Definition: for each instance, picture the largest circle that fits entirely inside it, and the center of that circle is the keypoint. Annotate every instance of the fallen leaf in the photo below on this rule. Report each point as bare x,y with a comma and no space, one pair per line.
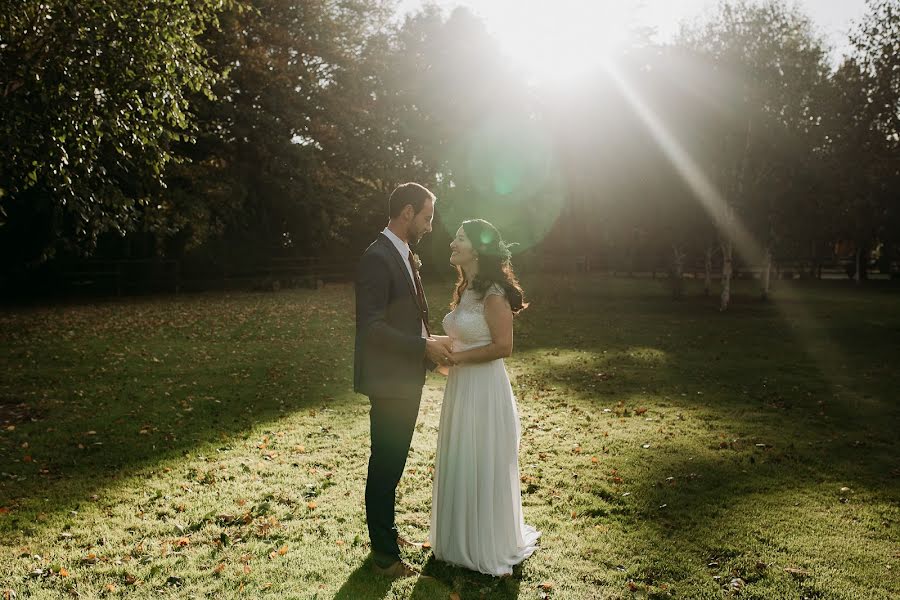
283,550
311,504
219,568
63,572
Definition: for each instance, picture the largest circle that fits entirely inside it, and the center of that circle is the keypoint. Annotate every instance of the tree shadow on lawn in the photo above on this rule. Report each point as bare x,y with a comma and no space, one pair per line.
849,430
109,405
780,411
688,520
803,372
68,468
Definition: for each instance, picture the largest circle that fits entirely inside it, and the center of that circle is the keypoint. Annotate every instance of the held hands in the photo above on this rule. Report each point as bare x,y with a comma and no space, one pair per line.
437,349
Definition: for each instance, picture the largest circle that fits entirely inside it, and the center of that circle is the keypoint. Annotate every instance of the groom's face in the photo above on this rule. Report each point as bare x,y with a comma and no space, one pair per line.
421,222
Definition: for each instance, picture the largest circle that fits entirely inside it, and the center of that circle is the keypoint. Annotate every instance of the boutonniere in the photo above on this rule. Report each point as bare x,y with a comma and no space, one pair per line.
417,262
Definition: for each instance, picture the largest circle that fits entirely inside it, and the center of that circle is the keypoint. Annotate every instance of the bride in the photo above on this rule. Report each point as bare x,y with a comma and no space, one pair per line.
476,518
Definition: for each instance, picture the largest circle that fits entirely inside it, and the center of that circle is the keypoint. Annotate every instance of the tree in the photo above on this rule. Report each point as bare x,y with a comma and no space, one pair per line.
93,95
766,67
281,162
871,76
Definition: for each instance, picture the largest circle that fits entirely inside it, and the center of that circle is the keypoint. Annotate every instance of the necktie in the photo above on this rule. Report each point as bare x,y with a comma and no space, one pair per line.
420,293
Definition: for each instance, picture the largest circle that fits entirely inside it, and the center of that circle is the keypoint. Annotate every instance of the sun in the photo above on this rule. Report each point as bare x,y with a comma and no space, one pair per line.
560,40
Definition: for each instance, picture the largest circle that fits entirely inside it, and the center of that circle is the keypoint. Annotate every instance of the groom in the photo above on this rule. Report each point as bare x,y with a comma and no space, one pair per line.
392,350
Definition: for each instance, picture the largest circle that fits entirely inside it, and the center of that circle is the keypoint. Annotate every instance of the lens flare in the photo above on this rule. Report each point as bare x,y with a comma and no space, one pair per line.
504,171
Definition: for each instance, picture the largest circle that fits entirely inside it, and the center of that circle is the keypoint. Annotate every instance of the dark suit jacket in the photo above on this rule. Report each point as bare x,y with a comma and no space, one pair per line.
389,354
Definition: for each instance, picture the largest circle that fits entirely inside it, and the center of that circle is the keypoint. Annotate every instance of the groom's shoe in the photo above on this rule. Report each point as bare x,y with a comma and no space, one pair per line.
397,570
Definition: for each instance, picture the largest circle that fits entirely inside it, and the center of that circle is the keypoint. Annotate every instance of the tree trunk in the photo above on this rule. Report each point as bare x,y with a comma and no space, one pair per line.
727,250
766,274
857,276
677,272
707,265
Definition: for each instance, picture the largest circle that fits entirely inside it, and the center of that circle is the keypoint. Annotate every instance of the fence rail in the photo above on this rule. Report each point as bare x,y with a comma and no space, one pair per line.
128,276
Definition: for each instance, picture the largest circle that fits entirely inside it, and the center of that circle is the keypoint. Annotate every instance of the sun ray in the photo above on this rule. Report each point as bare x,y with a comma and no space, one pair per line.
826,354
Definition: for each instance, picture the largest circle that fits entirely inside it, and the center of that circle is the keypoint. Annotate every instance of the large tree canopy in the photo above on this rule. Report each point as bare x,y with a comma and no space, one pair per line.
243,129
93,93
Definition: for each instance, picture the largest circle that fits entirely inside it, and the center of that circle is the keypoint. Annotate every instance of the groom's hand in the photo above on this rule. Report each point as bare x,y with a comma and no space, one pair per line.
438,351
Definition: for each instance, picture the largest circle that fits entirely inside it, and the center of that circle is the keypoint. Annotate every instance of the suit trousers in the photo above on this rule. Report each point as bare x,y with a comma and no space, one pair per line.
392,422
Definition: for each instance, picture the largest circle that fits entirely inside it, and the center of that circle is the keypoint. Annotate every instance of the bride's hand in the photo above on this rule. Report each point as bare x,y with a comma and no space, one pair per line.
443,370
444,339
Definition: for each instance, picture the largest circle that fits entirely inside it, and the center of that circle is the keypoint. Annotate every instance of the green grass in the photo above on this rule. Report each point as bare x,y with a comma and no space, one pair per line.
171,447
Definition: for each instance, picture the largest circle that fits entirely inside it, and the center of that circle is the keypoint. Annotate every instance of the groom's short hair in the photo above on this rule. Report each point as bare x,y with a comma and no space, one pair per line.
408,193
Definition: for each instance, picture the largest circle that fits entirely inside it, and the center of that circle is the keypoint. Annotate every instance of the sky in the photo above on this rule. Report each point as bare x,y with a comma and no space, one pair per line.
540,36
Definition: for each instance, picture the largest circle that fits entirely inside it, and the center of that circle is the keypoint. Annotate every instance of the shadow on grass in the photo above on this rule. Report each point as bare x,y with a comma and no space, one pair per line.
439,579
100,393
765,516
364,584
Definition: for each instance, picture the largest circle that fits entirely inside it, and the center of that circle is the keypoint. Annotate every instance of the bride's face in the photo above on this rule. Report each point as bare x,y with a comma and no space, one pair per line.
461,251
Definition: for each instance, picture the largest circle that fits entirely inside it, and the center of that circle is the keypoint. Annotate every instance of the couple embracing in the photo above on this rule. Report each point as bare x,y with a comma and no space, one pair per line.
476,511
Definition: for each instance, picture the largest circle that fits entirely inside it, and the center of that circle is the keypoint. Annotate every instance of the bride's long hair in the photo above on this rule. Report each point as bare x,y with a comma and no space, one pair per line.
494,266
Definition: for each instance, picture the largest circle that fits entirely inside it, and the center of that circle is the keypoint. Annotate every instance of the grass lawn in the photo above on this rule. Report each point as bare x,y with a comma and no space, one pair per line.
209,445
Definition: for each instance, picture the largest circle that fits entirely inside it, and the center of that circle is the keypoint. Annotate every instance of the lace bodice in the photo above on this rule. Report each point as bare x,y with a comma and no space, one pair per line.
466,324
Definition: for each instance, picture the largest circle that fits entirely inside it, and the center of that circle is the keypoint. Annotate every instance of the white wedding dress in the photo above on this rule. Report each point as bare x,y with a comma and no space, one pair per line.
476,511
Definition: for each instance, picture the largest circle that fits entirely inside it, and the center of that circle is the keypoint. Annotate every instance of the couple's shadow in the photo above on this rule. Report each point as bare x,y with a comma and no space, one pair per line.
437,580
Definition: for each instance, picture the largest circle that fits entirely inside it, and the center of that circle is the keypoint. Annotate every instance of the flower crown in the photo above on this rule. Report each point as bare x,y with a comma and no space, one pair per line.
503,249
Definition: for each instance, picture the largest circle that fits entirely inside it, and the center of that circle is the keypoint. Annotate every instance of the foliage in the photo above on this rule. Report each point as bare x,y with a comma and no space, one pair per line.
94,94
